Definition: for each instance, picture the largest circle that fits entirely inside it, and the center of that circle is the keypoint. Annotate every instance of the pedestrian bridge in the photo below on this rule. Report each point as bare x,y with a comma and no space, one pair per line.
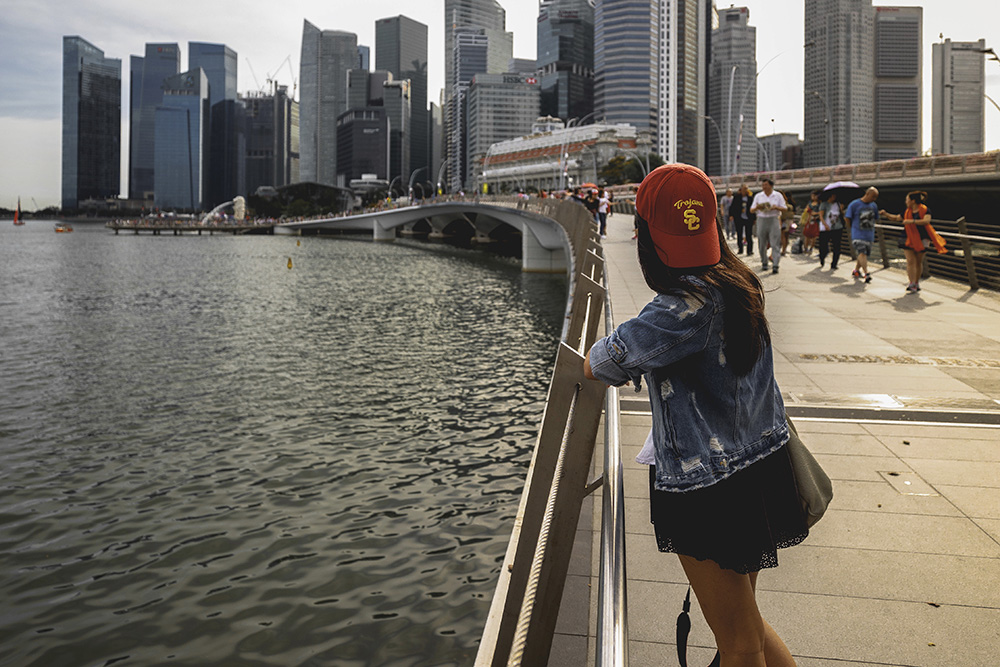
553,232
958,185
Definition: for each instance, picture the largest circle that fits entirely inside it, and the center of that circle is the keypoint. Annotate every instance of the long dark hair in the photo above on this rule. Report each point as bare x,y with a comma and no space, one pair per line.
744,324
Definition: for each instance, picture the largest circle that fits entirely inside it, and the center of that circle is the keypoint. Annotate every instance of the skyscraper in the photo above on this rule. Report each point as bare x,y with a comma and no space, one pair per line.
476,28
469,56
272,155
732,94
650,71
486,14
326,57
626,62
958,105
565,60
181,142
227,124
401,48
500,107
839,82
684,30
898,75
91,123
146,93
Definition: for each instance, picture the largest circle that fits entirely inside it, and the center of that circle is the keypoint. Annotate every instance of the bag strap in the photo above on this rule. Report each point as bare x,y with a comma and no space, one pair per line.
684,629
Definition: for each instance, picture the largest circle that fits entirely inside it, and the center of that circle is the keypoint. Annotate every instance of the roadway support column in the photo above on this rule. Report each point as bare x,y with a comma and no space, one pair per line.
380,233
537,259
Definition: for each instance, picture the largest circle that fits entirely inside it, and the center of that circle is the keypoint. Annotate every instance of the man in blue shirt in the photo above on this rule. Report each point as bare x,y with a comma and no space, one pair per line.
861,215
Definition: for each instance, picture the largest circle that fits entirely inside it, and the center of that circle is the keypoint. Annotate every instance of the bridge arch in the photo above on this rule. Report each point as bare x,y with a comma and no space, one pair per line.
552,232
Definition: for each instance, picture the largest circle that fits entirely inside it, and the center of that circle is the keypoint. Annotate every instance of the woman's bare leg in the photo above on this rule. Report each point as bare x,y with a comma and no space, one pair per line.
727,600
776,654
912,266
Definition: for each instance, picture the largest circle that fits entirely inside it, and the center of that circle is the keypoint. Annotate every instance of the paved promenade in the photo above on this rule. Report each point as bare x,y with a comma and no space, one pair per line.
898,396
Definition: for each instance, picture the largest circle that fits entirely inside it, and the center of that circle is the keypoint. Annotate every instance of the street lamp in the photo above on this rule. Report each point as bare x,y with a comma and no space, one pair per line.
746,92
829,127
992,101
767,161
729,123
719,132
645,170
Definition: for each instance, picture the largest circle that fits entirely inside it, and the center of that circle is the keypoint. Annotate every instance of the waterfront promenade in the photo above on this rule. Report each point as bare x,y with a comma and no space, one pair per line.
905,567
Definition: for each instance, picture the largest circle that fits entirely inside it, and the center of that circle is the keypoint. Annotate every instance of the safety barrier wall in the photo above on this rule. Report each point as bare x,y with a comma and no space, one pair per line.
521,622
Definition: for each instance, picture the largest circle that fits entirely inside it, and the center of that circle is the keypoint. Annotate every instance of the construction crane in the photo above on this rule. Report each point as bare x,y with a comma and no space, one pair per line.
288,61
255,81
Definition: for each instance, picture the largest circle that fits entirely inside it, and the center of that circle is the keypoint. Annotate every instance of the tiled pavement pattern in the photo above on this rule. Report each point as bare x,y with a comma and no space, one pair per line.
905,567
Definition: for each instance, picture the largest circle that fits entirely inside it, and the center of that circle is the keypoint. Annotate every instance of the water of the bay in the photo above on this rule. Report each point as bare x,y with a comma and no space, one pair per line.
210,458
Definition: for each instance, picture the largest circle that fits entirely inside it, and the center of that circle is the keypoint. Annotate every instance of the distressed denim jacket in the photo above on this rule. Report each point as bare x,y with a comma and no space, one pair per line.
708,422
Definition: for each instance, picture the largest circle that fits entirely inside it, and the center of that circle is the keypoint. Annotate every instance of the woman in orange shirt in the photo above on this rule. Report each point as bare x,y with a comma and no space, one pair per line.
917,236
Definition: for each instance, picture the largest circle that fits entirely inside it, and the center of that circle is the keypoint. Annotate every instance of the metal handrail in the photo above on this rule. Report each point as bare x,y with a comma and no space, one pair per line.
612,605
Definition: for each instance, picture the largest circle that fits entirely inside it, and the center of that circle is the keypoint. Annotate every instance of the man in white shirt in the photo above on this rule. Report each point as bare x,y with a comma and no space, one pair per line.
768,204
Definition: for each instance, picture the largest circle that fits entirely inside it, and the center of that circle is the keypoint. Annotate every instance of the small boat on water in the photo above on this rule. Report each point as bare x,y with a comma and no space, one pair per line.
62,228
17,213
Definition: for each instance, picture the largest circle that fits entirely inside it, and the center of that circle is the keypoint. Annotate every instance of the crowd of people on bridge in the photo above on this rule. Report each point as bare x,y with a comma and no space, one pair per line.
771,217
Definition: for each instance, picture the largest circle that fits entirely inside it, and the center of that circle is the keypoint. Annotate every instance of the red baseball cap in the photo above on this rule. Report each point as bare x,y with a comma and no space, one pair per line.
677,201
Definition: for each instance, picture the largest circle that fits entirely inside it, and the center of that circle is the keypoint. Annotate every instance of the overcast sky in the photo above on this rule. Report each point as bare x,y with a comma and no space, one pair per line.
265,33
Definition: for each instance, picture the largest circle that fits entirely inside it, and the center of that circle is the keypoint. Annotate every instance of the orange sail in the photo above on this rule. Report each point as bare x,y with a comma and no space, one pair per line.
17,213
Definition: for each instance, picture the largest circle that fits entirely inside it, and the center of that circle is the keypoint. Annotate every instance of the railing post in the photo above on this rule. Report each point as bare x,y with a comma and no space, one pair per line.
970,262
880,232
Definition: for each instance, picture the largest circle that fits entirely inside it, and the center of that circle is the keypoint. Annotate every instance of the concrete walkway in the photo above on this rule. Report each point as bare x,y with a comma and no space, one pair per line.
905,567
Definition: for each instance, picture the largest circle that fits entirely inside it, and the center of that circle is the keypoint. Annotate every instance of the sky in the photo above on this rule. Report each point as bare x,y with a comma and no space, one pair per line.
265,34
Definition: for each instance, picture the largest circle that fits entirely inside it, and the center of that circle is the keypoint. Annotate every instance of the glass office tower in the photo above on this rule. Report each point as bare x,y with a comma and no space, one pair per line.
839,82
401,48
272,156
565,61
958,103
148,74
91,128
327,55
898,78
626,62
227,125
181,142
732,95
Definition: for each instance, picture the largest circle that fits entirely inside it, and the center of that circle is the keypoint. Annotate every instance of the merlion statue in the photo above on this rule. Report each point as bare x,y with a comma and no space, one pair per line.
240,208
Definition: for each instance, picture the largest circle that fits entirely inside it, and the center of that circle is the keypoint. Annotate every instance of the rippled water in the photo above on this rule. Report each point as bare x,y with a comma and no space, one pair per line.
209,458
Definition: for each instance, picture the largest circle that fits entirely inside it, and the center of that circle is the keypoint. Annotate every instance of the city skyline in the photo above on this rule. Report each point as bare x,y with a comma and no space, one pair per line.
31,39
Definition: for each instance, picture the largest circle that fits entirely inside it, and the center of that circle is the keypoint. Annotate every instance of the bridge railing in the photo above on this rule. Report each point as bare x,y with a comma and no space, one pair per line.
972,257
522,618
935,166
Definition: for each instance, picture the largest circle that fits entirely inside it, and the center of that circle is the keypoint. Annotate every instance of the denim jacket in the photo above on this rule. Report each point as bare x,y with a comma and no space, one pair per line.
708,422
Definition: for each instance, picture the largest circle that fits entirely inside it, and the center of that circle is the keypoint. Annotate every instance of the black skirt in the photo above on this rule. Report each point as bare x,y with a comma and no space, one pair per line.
740,522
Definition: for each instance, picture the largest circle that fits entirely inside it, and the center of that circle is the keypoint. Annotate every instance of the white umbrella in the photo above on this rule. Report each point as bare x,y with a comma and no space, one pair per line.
842,188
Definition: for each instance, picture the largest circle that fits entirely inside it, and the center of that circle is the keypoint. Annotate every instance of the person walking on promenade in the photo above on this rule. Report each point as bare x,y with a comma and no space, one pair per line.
861,215
727,220
810,223
722,491
743,219
768,205
917,236
786,221
603,203
831,229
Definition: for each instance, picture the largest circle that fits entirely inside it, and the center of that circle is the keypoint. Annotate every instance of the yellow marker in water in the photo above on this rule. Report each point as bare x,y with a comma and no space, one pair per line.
289,262
298,243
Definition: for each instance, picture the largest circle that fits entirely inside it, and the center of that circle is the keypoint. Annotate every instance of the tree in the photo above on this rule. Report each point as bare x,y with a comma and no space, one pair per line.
623,169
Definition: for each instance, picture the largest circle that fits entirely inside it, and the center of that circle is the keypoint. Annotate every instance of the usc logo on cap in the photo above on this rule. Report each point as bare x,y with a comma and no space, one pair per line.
691,219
